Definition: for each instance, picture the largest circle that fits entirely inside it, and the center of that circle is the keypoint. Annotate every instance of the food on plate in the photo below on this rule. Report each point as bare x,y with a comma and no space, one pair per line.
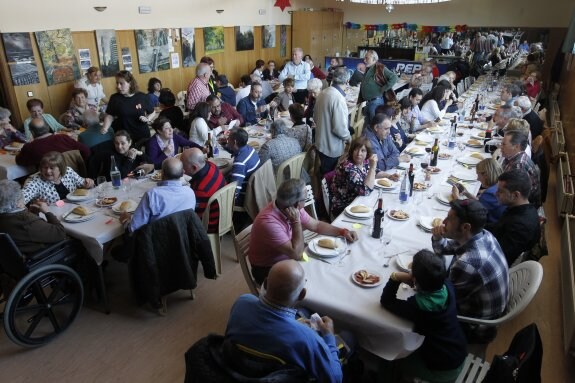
420,143
81,210
18,145
436,222
80,192
474,142
413,150
360,209
254,144
327,243
365,278
157,176
399,214
126,206
384,182
476,155
444,156
108,201
434,169
419,186
481,134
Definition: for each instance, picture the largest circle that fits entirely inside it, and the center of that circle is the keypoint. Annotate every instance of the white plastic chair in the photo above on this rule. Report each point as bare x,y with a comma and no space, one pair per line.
225,200
524,281
474,370
425,87
310,201
325,192
242,246
294,164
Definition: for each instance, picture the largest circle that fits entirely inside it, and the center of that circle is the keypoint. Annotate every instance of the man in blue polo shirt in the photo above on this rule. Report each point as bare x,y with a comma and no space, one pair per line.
246,161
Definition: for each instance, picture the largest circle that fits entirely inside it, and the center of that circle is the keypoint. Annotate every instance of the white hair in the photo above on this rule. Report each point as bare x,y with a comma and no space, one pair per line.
523,102
314,84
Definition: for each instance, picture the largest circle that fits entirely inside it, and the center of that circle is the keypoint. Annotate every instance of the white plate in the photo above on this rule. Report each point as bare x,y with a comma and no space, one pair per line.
465,176
444,198
393,184
473,146
471,161
397,219
11,148
76,218
433,170
367,285
414,151
478,137
446,156
116,207
323,252
78,198
221,162
427,138
359,215
437,130
426,221
100,204
403,261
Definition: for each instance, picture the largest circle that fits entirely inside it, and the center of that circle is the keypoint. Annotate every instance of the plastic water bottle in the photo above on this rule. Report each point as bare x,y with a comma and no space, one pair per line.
115,174
403,191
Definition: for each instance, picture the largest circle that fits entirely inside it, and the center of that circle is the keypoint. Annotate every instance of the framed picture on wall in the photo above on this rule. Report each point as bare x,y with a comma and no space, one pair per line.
268,36
213,40
58,56
244,38
107,52
20,58
188,47
153,47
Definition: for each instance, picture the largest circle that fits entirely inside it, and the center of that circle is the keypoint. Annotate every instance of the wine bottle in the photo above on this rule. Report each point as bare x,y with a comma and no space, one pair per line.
488,134
434,153
403,189
411,177
210,146
115,175
377,219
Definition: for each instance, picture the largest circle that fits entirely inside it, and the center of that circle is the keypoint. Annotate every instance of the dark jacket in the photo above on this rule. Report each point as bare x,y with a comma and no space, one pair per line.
535,124
166,254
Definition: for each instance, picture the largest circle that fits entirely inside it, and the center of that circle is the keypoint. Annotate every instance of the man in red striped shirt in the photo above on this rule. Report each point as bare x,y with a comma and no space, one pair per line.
206,180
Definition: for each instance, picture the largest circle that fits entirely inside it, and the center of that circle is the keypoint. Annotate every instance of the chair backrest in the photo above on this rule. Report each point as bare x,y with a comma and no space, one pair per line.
225,200
242,245
294,165
402,94
74,160
261,189
12,260
325,192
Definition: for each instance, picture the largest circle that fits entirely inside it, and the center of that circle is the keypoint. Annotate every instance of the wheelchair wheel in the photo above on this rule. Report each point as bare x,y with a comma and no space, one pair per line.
42,305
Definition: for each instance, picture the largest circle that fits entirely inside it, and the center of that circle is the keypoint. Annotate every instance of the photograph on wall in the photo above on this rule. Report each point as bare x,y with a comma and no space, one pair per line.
58,56
268,36
188,47
283,40
213,40
85,59
153,49
175,60
107,52
20,58
244,38
127,59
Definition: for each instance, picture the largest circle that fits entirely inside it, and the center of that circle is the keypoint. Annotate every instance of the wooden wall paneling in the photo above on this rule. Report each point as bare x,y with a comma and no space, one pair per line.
567,105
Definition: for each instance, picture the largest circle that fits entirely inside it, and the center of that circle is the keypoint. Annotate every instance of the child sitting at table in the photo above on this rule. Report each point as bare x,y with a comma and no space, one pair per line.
285,98
433,312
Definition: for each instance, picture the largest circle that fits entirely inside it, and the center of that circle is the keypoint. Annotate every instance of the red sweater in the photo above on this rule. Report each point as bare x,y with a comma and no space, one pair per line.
32,153
204,184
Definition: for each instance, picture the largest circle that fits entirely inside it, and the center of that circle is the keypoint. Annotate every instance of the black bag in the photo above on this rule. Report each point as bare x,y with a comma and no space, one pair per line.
522,361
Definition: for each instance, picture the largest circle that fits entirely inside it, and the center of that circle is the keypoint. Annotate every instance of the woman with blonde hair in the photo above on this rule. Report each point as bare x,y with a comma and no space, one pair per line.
488,171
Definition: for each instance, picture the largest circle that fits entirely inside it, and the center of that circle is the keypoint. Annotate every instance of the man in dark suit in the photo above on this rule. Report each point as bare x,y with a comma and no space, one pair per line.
529,115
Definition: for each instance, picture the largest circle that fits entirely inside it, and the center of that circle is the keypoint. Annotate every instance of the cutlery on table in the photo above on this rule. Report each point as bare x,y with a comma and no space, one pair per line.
359,223
389,257
319,259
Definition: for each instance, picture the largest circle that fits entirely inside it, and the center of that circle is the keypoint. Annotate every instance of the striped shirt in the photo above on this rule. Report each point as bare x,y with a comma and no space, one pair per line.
246,161
479,274
205,183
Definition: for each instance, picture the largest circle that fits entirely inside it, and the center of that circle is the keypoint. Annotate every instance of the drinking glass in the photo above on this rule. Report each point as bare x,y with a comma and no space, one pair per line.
101,189
386,239
341,250
127,186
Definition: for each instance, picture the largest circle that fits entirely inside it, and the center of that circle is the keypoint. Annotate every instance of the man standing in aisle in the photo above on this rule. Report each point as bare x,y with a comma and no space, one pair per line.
198,90
370,90
300,71
331,119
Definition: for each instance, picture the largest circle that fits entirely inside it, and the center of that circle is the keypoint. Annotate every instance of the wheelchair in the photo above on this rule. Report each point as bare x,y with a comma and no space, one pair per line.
43,294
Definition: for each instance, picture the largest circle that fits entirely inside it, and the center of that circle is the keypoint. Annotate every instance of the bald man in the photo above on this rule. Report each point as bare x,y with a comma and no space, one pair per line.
268,324
169,197
206,180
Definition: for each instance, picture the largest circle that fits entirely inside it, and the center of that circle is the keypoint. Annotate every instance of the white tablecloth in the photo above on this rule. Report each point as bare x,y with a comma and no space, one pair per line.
10,171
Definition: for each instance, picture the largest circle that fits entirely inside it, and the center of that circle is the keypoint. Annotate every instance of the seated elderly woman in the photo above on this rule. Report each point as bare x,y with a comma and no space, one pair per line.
36,109
54,181
127,159
8,133
355,176
488,171
30,232
300,130
280,147
165,143
72,119
93,136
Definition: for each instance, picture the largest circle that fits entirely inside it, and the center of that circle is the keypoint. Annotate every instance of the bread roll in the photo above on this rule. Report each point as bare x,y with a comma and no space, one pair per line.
80,192
125,206
384,182
327,243
360,209
476,155
436,222
81,210
474,142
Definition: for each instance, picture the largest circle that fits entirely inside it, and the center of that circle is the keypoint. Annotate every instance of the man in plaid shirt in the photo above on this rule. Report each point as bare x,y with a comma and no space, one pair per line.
478,271
198,89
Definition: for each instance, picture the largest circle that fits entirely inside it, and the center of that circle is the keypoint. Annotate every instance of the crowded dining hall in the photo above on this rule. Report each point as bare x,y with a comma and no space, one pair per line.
294,190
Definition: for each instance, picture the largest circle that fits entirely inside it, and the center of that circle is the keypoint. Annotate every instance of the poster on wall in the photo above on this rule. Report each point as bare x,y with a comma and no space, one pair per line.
20,58
244,38
213,40
188,47
283,40
107,52
85,59
57,52
127,59
268,36
175,60
153,49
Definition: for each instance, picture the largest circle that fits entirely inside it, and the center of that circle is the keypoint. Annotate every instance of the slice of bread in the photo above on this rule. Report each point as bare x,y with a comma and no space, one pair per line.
81,210
80,192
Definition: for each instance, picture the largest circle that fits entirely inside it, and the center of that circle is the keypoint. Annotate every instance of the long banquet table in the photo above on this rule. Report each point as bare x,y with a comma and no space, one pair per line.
330,290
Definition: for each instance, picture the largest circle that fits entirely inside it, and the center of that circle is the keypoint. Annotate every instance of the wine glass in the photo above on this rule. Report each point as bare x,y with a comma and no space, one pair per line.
385,239
341,250
461,147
